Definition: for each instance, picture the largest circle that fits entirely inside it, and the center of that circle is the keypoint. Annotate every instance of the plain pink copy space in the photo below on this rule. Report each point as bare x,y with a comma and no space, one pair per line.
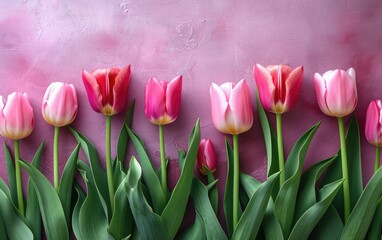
204,41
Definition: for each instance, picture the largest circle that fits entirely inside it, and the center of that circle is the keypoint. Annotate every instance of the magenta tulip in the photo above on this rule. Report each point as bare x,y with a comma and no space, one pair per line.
336,92
206,157
231,107
107,89
162,100
373,128
278,86
59,106
16,116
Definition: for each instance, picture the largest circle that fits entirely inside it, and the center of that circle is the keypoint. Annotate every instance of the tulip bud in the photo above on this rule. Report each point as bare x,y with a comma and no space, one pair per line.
336,92
162,100
231,107
373,127
278,86
206,157
59,106
107,89
16,116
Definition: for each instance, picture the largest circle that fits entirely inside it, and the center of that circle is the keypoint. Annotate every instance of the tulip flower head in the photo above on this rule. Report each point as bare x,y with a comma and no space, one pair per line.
16,116
231,107
206,157
336,92
162,100
373,127
107,89
59,106
278,86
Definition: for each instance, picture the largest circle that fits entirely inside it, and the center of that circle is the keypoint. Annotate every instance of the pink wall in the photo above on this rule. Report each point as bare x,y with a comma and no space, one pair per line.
205,41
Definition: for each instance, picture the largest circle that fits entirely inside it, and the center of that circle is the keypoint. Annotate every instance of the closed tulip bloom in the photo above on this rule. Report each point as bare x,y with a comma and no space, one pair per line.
278,86
16,116
107,89
162,100
206,156
336,92
231,107
59,106
373,128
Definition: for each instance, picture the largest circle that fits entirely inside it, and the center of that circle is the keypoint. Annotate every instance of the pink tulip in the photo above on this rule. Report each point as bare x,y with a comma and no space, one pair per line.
162,100
16,116
373,128
278,86
107,89
231,107
206,157
59,106
336,92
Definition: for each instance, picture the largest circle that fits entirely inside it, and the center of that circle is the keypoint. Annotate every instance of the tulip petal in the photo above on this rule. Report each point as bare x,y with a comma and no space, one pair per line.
293,85
209,154
320,87
93,91
120,89
265,87
373,126
173,97
155,100
219,107
241,107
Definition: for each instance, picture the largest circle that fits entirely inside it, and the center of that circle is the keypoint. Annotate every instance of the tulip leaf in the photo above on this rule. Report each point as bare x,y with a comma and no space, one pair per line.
149,224
228,193
363,212
271,226
92,218
181,158
76,211
53,215
213,192
118,173
312,216
98,174
176,207
3,233
123,136
329,227
286,199
196,231
376,224
11,219
11,173
150,177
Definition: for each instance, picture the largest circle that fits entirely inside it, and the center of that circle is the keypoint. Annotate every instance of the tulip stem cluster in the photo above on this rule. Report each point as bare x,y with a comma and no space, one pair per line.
280,147
55,158
377,158
109,171
19,186
236,170
162,159
345,174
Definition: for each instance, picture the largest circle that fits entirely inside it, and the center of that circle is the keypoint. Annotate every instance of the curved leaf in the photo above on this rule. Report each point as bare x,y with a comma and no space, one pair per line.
10,173
270,225
376,224
213,192
50,206
329,227
123,136
196,231
76,211
3,233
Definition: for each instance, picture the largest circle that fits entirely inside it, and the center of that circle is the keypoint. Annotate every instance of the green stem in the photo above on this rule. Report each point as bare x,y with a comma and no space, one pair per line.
377,158
236,170
109,170
345,174
55,158
280,147
163,166
19,183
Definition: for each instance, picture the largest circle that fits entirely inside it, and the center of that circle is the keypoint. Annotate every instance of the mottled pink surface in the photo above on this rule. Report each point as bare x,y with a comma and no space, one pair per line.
205,41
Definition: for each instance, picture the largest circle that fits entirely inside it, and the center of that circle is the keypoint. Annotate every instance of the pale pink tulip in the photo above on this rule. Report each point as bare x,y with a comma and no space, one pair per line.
162,100
16,116
278,86
107,89
336,92
231,107
373,127
59,106
206,157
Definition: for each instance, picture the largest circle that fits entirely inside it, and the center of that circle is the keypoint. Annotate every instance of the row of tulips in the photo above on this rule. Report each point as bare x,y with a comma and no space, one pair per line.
137,203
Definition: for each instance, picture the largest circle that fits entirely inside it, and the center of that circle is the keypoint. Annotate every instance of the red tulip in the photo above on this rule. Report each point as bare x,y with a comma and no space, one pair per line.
107,89
373,128
206,156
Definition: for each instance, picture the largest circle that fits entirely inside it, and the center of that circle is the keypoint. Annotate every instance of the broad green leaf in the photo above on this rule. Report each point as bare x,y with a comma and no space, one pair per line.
92,219
150,177
306,197
66,184
118,173
312,216
10,173
33,215
376,224
76,211
363,212
228,193
329,227
181,158
97,172
204,209
250,221
286,199
12,221
196,231
213,192
3,233
149,224
176,207
270,225
53,215
123,136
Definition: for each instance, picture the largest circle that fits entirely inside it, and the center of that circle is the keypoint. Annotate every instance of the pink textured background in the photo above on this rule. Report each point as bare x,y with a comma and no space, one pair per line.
205,41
